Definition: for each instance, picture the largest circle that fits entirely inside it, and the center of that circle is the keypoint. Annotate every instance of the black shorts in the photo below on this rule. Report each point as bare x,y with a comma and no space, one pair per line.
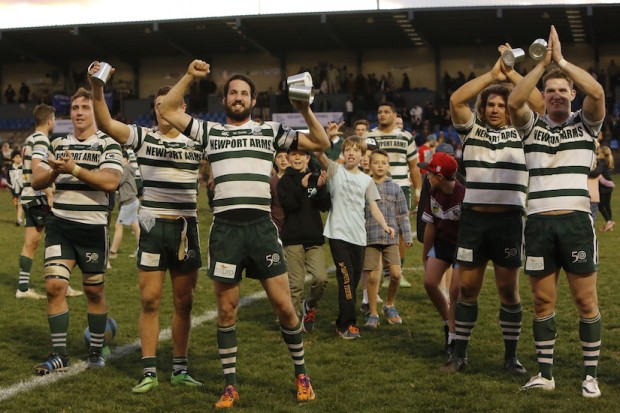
560,241
251,246
495,236
85,244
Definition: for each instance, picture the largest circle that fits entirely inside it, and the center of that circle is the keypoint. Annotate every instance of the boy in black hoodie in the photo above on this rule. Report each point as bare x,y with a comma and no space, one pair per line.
303,196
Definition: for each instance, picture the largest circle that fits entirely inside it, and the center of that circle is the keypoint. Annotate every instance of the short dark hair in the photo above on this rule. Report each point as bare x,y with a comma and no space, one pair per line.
379,152
557,73
388,104
42,113
162,91
242,78
82,93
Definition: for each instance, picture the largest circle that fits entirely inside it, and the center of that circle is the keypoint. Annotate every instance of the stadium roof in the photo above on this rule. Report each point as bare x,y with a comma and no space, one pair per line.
485,23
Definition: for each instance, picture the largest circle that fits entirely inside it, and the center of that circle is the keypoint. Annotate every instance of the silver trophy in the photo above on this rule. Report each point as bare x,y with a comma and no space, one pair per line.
538,49
513,56
300,87
101,76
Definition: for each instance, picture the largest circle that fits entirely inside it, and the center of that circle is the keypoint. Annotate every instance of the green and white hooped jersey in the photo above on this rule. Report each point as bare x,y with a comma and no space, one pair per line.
494,163
241,159
559,158
401,149
75,200
133,161
36,145
169,168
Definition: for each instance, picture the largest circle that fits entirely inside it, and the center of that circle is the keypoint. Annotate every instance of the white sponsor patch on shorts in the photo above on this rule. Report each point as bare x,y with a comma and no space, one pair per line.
149,260
535,263
53,251
225,270
465,254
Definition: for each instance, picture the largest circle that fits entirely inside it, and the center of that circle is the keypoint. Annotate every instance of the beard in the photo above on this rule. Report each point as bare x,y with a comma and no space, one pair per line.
238,116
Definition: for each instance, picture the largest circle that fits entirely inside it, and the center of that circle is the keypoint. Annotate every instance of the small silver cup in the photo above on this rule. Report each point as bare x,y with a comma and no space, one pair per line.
301,92
101,76
538,49
513,56
300,78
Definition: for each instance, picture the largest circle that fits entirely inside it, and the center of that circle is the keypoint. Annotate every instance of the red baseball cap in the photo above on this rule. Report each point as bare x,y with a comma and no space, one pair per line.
441,164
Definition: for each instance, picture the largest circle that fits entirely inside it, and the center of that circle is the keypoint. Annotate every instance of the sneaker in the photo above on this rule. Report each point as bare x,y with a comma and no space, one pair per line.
95,361
228,398
386,282
539,382
350,333
55,363
29,293
183,378
392,315
514,366
147,383
113,255
365,308
372,321
309,316
589,387
379,300
304,388
73,293
454,365
404,283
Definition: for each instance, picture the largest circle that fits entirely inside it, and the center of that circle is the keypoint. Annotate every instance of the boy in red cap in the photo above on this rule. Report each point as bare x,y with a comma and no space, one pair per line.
442,212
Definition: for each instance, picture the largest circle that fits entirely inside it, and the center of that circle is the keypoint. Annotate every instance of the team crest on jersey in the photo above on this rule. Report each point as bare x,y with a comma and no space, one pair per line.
257,130
190,144
94,146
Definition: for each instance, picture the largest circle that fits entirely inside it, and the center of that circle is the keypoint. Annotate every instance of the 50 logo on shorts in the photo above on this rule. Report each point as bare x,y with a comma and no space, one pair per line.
579,256
272,259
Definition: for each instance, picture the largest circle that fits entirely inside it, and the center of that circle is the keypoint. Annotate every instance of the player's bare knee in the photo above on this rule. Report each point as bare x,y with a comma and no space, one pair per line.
184,305
150,304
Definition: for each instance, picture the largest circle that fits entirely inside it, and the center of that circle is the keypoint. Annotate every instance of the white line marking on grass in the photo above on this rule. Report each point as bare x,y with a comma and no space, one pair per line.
118,352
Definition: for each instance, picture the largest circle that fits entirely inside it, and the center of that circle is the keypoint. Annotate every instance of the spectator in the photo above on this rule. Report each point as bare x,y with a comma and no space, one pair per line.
303,196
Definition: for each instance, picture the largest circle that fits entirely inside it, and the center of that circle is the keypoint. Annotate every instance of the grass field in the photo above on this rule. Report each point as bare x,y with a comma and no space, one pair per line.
392,369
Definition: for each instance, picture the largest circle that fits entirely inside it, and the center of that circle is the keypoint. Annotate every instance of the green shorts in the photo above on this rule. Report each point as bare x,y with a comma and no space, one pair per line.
495,236
35,215
560,241
85,244
252,246
158,249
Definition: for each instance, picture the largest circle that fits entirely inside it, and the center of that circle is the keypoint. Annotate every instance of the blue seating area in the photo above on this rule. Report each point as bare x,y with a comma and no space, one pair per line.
16,123
145,119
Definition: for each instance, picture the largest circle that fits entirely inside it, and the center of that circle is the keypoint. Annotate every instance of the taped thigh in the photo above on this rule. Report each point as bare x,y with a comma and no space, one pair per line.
93,279
56,269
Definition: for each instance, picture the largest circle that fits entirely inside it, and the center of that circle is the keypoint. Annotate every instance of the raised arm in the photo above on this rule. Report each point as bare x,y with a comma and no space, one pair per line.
535,101
115,129
317,139
198,69
520,113
459,106
594,103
